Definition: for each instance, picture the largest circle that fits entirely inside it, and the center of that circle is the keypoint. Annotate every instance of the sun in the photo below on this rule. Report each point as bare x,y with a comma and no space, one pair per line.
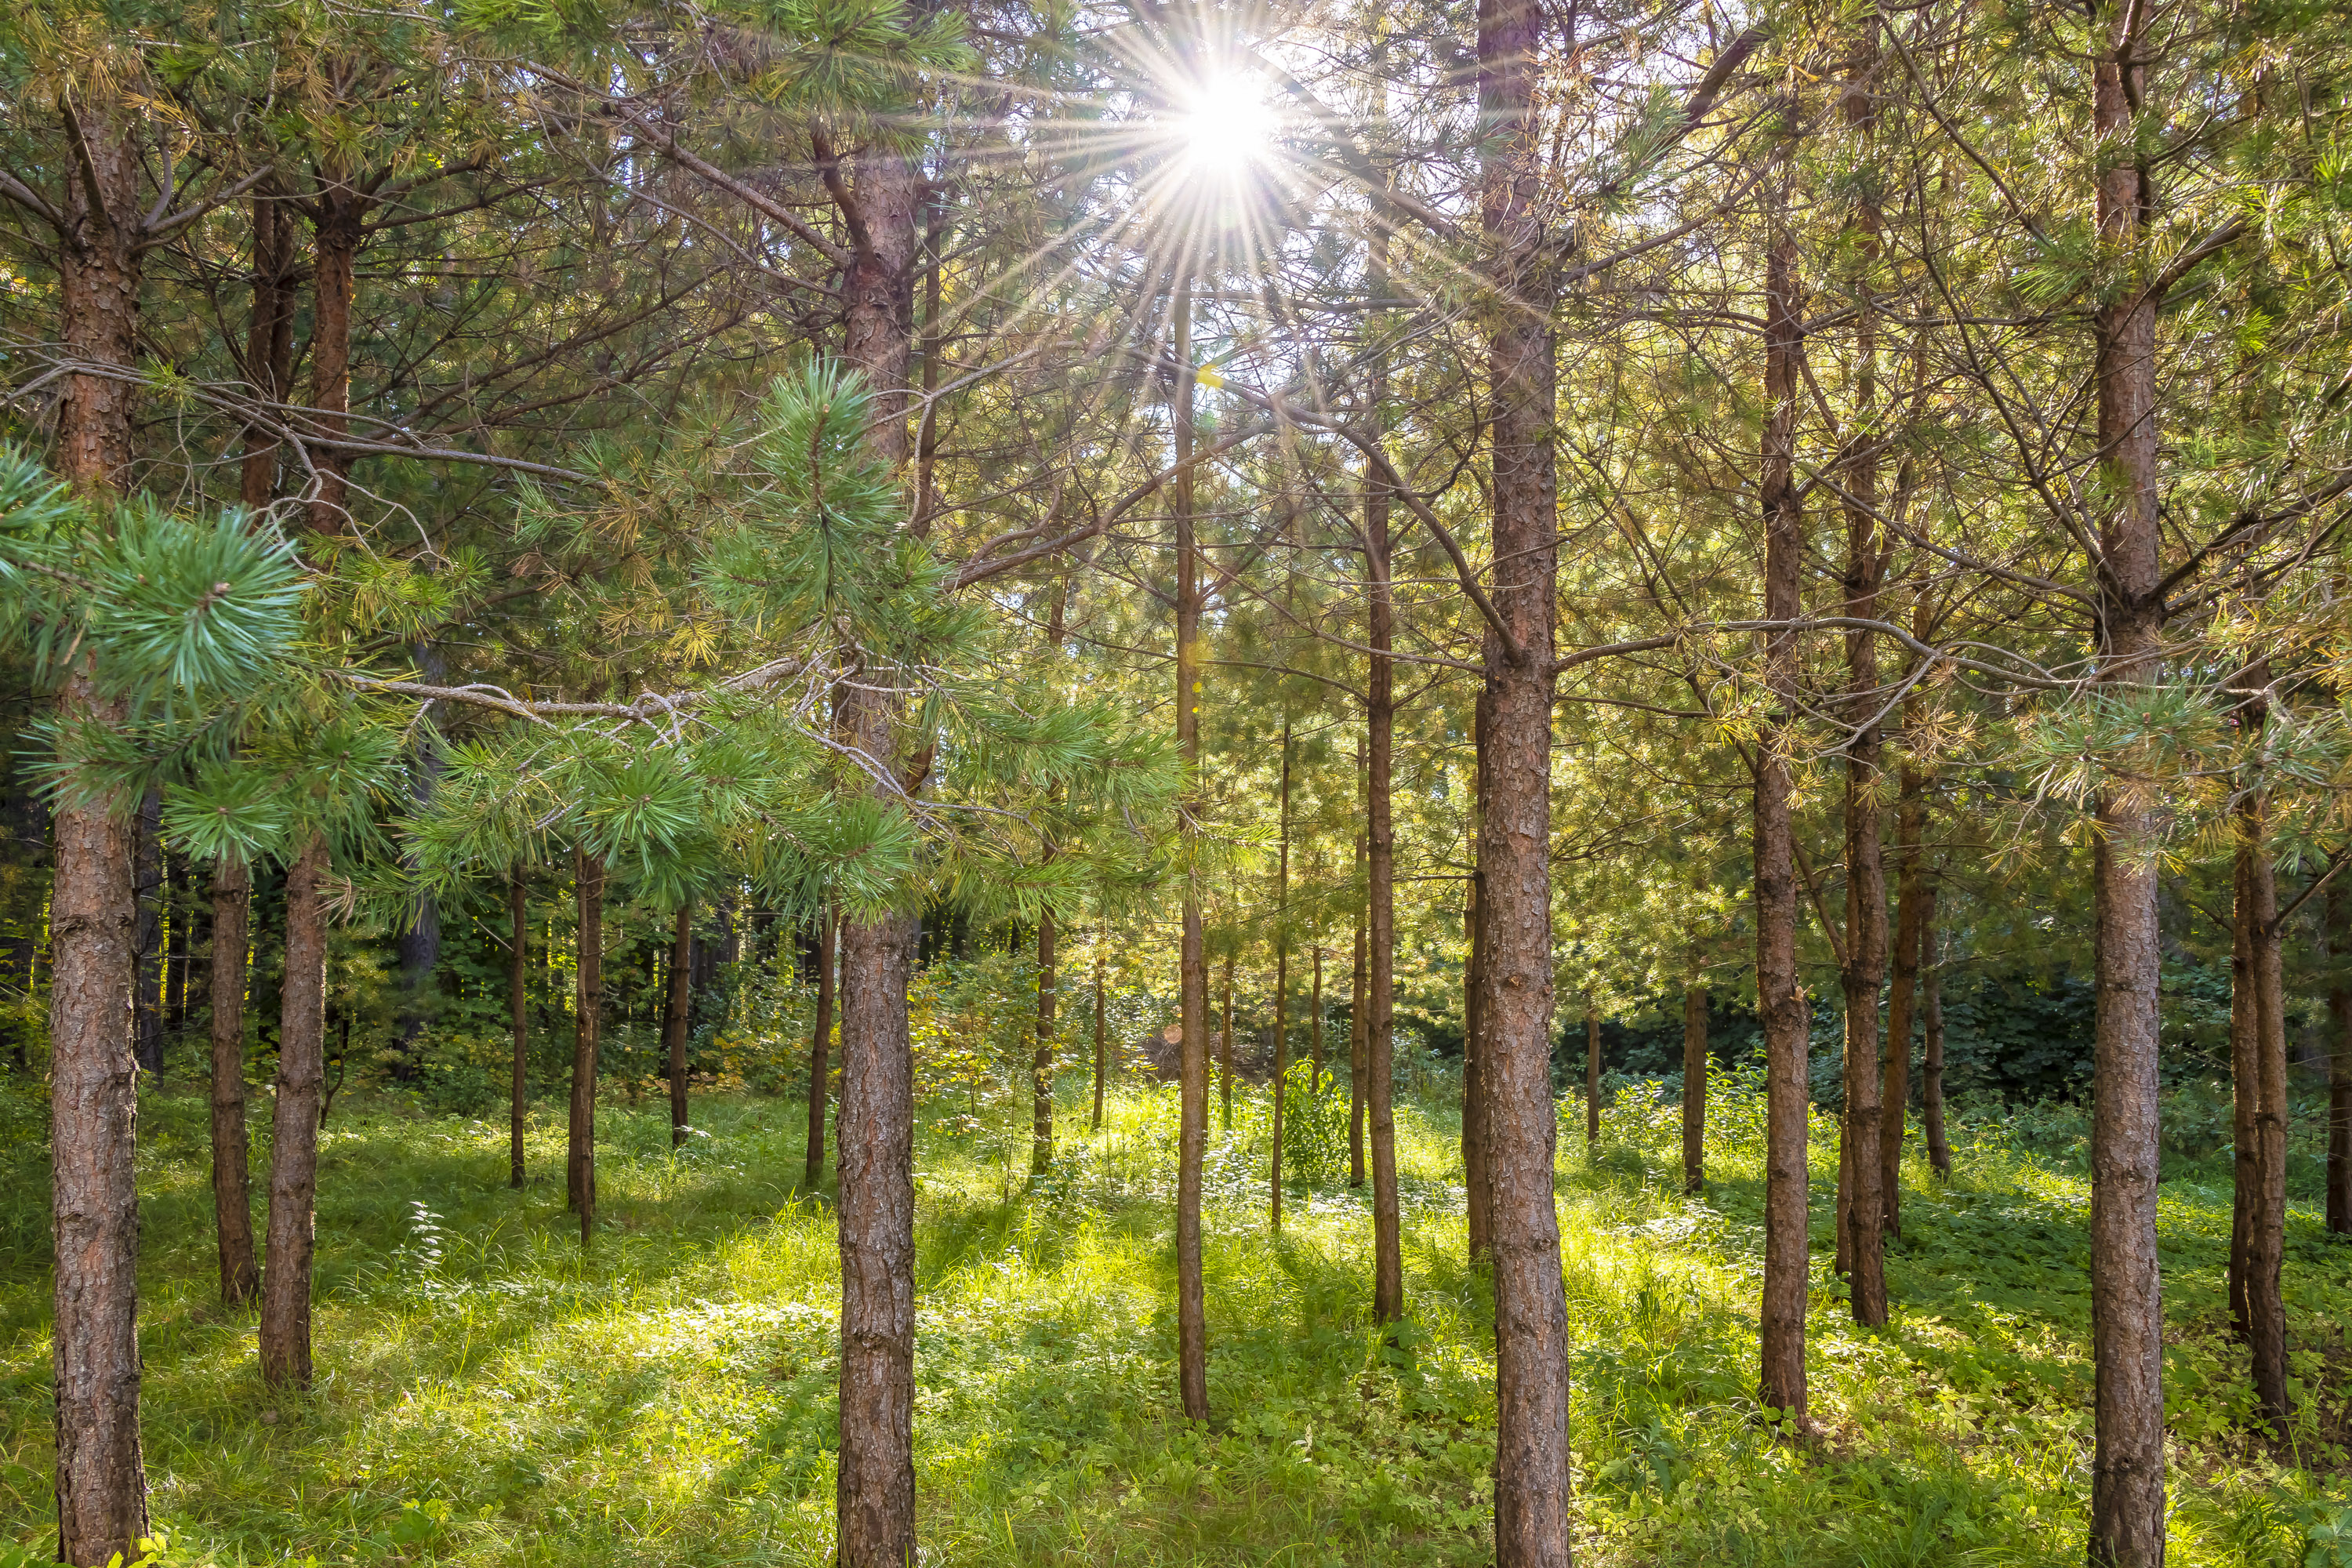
1227,125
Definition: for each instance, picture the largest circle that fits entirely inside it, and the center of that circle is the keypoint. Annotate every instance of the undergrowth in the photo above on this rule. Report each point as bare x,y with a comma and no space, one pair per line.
488,1395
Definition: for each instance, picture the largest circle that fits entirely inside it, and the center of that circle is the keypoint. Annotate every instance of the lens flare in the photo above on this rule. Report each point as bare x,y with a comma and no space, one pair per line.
1226,126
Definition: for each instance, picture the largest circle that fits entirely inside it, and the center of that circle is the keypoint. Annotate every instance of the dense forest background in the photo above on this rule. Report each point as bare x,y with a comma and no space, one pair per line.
1375,648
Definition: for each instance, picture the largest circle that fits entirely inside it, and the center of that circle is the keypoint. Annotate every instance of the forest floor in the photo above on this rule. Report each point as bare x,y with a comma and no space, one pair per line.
486,1396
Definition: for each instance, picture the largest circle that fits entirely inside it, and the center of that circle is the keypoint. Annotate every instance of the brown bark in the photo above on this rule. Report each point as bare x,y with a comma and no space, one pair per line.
1592,1075
1102,1034
1041,1064
1225,1047
1192,970
2338,941
1358,1057
2127,1290
268,343
1779,1000
518,1018
1281,986
1531,1354
1694,1060
1931,1039
232,1188
101,1488
2258,1053
587,1026
336,214
1380,938
675,1014
294,1125
1895,1090
875,1489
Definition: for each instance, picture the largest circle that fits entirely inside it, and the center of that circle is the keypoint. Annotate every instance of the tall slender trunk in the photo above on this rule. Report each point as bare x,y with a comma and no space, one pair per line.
1102,1034
101,1484
675,1013
1592,1075
1041,1063
1931,1039
587,1024
294,1125
1694,1060
2258,1052
1531,1354
179,913
2338,939
146,986
337,212
820,1043
1281,985
517,1017
1895,1090
1359,1058
875,1497
1779,1000
1192,970
1379,861
2127,1489
232,1188
1478,1193
1315,1022
1225,1047
268,343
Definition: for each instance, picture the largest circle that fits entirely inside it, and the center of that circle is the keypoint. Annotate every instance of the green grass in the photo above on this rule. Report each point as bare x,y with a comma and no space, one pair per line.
486,1396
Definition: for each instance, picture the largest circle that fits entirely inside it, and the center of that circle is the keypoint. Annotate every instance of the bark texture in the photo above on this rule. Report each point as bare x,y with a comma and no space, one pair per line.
1193,966
587,1026
1780,1001
294,1125
240,1281
875,1496
1380,919
1531,1464
2127,1290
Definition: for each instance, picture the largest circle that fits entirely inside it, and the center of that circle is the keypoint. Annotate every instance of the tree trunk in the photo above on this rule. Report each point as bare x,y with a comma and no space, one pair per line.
232,1191
1041,1065
1895,1090
1192,970
673,1018
1315,1022
587,1024
146,987
1478,1193
1358,1057
1281,985
1225,1046
1102,1034
2338,939
101,1485
517,1017
820,1042
336,215
1591,1075
1931,1039
1694,1060
1532,1356
2245,1153
2127,1289
268,343
1380,938
2258,1053
179,913
294,1125
875,1497
1779,1000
